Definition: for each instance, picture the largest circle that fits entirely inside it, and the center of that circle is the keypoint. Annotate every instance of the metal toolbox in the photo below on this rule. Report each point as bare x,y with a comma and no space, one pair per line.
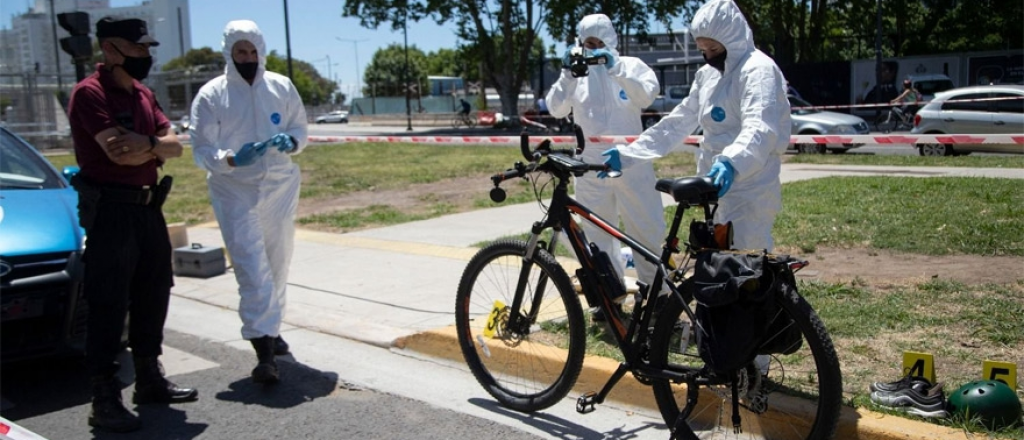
199,261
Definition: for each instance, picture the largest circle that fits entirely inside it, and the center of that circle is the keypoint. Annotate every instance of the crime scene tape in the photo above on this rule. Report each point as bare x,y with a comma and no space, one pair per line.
889,139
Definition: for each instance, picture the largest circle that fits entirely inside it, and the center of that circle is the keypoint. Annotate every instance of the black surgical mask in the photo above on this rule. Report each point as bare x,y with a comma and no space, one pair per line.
136,67
718,61
247,70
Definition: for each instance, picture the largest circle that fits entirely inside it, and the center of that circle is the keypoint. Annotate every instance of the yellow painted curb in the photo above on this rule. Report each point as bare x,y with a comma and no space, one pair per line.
854,424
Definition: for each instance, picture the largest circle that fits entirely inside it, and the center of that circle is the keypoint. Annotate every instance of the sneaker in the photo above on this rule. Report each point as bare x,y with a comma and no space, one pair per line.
928,403
917,382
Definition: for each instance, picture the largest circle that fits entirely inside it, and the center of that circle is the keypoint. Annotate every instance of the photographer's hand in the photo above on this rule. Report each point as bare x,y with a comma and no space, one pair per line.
609,58
566,61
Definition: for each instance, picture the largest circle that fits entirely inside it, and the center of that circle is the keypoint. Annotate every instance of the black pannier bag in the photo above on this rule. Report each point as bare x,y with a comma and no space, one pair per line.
737,311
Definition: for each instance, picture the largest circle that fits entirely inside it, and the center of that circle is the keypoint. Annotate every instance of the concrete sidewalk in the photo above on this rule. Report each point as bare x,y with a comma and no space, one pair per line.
395,286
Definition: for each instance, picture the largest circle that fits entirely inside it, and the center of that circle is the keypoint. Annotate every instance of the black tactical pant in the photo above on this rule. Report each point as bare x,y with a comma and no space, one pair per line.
127,274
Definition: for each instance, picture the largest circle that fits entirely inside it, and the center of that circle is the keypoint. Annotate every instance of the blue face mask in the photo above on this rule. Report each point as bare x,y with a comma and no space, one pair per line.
718,61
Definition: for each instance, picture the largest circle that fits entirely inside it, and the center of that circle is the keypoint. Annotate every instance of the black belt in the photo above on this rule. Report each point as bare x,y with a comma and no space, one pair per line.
141,196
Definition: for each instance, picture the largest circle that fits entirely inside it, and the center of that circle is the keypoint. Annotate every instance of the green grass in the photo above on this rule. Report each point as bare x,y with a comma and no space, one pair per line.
932,216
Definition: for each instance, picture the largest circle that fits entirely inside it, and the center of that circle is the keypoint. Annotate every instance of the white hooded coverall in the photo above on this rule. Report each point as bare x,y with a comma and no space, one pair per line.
745,116
608,102
254,204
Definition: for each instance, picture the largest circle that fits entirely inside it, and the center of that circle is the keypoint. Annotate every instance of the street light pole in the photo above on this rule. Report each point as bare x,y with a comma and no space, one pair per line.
287,41
408,108
355,47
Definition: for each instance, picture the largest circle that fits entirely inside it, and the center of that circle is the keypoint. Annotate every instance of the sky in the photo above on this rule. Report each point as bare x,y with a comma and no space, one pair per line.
315,27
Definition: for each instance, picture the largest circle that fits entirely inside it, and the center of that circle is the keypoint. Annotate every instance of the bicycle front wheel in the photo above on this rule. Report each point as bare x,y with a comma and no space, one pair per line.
456,122
795,396
529,358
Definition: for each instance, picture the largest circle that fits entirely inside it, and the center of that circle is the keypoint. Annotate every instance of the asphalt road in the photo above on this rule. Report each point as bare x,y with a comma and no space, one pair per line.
52,400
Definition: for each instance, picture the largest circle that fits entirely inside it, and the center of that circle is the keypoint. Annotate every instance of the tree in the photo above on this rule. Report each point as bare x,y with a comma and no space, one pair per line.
314,89
500,34
386,74
201,57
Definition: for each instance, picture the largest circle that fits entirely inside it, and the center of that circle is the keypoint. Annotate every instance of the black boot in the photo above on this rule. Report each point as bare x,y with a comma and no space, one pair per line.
107,410
266,370
280,347
152,387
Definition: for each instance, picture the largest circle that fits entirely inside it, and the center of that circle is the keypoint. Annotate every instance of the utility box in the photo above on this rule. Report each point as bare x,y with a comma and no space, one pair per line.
199,261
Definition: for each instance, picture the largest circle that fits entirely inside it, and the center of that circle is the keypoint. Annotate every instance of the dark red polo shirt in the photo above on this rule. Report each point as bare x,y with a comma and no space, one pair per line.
98,103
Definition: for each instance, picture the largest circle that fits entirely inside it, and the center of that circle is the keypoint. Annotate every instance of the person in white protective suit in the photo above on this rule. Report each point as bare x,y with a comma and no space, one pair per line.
739,100
608,102
246,124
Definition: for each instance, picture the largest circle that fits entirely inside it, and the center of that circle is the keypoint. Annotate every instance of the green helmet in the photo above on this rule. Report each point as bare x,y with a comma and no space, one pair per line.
992,401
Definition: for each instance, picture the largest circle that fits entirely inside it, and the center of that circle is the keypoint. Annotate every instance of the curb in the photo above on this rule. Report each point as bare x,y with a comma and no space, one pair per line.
859,424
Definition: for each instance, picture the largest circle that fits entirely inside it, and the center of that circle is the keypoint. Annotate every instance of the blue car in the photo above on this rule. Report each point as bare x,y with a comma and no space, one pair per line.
41,246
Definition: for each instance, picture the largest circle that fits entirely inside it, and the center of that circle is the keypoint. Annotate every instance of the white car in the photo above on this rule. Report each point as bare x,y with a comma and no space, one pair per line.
979,110
816,122
335,116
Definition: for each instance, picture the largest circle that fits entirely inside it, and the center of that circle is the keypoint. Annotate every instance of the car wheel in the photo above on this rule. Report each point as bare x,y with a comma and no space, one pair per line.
320,122
935,150
648,122
811,148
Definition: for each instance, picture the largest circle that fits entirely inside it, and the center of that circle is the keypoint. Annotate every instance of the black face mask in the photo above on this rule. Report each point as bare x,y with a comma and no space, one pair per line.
247,70
136,67
718,62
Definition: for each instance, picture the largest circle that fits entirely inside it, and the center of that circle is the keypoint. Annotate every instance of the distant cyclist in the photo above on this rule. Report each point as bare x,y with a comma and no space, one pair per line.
910,98
465,108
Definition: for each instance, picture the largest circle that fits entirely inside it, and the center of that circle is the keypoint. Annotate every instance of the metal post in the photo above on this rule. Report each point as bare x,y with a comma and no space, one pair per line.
287,42
355,47
878,47
405,74
56,53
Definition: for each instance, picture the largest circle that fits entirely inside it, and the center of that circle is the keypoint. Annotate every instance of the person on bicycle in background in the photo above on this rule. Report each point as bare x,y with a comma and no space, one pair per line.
608,102
464,113
739,99
910,97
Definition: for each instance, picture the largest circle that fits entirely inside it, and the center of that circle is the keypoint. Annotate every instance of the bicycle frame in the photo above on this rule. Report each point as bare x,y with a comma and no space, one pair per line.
560,219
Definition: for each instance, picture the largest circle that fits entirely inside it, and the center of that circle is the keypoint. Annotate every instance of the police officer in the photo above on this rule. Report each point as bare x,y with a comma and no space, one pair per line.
121,138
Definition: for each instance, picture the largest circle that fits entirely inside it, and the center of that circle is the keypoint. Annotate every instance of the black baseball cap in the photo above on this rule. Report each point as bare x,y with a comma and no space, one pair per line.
131,29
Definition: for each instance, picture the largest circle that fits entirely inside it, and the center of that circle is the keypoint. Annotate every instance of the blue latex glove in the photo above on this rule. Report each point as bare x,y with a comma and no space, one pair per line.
249,152
565,58
283,142
613,162
723,173
608,57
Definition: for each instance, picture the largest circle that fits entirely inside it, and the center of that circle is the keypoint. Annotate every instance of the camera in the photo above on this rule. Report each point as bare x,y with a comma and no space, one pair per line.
579,64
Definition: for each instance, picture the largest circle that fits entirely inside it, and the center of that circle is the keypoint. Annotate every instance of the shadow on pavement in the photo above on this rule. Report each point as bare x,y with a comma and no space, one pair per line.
299,384
559,427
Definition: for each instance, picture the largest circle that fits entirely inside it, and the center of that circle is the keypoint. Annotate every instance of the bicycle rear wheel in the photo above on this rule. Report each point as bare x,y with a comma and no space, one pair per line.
533,365
798,399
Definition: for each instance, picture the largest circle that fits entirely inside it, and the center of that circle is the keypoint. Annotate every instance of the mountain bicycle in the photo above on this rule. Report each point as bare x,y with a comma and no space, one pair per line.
522,329
896,119
463,119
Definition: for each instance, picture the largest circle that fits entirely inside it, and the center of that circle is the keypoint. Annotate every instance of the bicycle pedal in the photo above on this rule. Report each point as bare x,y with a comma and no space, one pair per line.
586,403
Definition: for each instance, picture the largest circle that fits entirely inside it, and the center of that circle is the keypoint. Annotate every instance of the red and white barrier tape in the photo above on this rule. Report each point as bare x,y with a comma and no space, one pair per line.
890,139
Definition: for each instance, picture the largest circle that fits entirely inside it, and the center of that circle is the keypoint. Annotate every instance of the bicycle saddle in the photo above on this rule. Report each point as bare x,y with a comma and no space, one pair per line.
690,190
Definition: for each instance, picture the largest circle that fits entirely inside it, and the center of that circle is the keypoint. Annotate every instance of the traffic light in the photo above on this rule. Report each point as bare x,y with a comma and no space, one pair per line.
78,45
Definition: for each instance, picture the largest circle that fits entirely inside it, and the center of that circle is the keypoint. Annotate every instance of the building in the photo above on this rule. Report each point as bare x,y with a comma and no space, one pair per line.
36,51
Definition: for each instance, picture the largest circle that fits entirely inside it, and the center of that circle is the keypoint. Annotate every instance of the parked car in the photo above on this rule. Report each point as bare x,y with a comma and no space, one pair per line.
816,122
663,104
972,110
41,246
335,116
